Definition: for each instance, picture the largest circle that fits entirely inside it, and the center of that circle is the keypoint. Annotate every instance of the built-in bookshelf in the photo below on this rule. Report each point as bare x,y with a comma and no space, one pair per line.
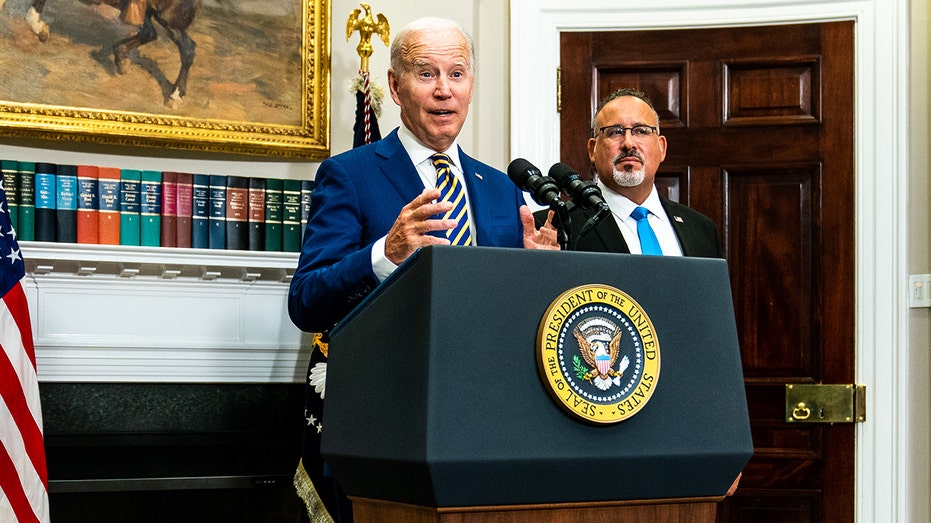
158,276
91,204
103,313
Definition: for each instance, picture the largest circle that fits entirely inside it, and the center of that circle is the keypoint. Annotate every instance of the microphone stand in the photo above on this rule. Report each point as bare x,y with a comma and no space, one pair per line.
562,227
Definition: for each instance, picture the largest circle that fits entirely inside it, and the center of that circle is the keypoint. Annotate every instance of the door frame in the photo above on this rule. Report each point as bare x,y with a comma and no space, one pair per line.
882,490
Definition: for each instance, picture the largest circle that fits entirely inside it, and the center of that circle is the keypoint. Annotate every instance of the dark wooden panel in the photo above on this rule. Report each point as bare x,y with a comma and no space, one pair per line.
782,473
766,151
767,398
664,84
770,227
777,439
686,510
773,92
761,507
672,184
578,100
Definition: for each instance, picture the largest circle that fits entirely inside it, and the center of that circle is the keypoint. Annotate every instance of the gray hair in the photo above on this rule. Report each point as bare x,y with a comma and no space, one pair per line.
624,91
426,24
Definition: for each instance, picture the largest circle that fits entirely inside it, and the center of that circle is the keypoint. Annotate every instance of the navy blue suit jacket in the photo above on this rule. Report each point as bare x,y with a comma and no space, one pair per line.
357,197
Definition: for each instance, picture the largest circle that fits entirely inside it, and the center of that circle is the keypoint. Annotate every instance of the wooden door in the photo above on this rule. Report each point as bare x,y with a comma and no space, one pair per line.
759,122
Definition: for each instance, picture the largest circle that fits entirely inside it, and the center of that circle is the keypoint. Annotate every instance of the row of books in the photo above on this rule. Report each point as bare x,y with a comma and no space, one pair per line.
110,206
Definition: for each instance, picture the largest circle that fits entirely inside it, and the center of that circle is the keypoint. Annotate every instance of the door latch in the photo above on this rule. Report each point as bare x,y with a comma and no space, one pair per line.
822,403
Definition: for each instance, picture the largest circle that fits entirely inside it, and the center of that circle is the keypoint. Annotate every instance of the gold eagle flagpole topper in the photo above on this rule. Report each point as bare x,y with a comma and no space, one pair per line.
367,26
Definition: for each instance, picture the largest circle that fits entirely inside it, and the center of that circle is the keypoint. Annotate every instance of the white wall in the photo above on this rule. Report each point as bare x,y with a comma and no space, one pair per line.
919,257
485,134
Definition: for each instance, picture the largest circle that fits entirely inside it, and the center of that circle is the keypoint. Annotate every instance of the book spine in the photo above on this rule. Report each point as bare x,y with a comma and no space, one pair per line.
217,217
200,211
169,209
27,202
45,202
66,204
273,214
150,208
88,205
237,213
185,210
130,196
291,216
256,214
108,201
307,188
10,169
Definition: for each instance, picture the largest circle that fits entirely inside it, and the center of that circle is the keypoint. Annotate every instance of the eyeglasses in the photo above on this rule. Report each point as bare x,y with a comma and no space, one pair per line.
637,132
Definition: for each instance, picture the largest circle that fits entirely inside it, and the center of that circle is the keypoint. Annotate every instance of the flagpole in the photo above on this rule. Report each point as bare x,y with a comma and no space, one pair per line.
366,24
310,471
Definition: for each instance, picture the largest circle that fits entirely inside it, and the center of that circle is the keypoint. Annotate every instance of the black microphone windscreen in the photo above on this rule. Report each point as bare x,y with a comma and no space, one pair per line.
563,174
519,170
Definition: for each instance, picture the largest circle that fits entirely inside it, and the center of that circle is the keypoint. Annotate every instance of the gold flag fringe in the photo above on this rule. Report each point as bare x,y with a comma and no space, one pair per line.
306,491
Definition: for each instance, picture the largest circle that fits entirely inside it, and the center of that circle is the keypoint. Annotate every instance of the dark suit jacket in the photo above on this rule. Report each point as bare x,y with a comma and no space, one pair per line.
697,234
357,197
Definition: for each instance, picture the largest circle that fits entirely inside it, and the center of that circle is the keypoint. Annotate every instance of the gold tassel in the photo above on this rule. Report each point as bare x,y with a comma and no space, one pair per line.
306,491
320,344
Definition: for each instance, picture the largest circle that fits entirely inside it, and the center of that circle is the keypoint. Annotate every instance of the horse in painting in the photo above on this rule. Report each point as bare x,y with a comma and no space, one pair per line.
175,16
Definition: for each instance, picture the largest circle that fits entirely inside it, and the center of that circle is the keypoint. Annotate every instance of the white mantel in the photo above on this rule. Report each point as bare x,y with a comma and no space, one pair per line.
151,314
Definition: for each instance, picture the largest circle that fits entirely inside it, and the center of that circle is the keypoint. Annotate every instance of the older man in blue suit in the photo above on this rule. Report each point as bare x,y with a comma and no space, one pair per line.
375,205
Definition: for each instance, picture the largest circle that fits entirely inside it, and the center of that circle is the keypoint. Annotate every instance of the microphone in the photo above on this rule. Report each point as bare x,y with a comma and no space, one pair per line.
527,177
584,193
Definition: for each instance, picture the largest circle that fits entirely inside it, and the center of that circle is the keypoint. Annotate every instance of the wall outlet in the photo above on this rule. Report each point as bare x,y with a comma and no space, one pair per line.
919,290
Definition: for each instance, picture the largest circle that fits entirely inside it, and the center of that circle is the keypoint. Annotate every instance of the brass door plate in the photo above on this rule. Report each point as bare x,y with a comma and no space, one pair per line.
822,403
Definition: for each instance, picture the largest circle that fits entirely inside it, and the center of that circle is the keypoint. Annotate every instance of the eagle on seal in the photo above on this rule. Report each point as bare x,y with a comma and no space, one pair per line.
601,357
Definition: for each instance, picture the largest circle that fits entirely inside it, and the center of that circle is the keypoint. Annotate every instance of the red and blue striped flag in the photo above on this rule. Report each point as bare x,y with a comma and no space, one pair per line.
23,473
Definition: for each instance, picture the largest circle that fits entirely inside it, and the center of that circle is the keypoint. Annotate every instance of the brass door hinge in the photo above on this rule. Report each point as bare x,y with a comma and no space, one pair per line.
558,89
822,403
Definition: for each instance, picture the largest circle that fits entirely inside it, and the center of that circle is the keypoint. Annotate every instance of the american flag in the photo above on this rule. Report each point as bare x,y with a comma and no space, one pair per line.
23,475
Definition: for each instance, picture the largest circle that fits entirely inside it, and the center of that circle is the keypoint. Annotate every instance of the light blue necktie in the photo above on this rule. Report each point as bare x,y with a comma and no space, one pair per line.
451,190
648,242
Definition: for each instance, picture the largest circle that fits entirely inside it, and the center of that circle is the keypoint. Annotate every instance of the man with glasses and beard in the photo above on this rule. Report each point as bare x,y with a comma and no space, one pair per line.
626,149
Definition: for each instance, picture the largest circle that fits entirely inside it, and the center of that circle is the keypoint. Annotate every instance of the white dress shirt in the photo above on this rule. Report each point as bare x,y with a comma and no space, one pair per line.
621,207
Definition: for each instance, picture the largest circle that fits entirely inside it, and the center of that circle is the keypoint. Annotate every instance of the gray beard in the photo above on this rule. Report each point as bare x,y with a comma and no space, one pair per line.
631,178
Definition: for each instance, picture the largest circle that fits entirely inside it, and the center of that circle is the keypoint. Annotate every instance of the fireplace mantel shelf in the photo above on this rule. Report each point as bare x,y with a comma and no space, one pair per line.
105,313
45,258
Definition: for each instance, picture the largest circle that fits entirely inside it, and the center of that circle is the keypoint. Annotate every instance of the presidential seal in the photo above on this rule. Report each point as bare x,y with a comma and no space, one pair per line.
598,354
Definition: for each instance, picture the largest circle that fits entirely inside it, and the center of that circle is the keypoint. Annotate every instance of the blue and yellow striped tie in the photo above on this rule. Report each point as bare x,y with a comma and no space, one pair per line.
451,190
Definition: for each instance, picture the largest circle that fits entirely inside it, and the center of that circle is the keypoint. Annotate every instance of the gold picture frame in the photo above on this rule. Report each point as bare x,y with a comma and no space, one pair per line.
249,90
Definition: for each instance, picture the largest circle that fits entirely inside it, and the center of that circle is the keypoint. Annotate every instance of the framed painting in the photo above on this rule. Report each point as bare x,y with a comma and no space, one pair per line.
225,76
